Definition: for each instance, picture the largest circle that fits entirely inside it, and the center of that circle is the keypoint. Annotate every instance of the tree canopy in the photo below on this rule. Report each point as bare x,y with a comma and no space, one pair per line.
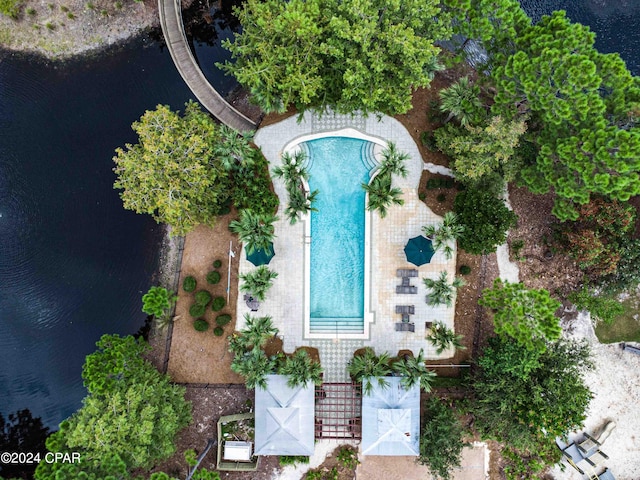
366,55
526,315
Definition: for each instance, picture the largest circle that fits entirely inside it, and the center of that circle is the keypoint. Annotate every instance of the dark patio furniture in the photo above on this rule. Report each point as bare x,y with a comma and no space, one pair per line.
406,309
405,327
252,303
630,348
606,475
406,289
406,272
406,281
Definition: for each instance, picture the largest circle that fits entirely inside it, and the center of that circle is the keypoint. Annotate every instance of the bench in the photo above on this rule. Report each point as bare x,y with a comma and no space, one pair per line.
406,272
406,289
631,348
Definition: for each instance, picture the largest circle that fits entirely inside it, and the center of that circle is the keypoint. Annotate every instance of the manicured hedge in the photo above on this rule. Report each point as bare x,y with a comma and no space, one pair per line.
213,277
201,325
189,284
218,304
218,331
217,264
197,310
203,297
222,320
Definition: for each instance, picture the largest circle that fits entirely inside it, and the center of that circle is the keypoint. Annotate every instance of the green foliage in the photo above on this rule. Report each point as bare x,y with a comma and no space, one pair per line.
369,367
479,150
526,399
218,331
381,195
367,56
203,297
441,291
201,325
464,269
218,304
292,460
258,282
300,368
441,439
348,457
213,277
157,301
217,263
294,175
189,284
587,104
129,419
172,173
594,241
462,101
516,248
413,371
627,275
256,231
428,140
10,8
440,182
254,366
485,218
443,338
445,234
527,316
197,310
392,161
255,335
603,307
252,186
222,320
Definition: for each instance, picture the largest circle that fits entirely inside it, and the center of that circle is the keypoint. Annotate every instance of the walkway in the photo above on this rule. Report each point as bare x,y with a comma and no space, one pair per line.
174,34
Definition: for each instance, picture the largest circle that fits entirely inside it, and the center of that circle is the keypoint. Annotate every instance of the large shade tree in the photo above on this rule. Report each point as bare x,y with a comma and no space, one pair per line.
366,55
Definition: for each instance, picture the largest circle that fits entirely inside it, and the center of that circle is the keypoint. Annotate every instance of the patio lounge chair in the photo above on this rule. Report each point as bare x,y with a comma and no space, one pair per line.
406,309
406,272
406,289
606,475
630,348
590,443
406,281
405,327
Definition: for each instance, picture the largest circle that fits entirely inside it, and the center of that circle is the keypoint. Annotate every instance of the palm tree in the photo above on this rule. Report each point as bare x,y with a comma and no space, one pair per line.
393,160
413,370
462,101
441,291
442,338
301,368
444,234
293,173
258,282
234,148
363,368
300,203
255,231
257,332
381,195
254,366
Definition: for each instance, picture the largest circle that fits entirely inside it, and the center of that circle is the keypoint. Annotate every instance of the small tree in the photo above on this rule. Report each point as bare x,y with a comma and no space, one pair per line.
462,101
441,439
301,368
442,291
443,235
157,301
527,316
381,195
254,366
294,174
256,332
255,231
413,370
393,161
258,282
363,368
443,337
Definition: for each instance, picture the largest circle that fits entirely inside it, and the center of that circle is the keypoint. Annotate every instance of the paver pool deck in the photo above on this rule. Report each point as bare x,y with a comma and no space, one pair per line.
285,300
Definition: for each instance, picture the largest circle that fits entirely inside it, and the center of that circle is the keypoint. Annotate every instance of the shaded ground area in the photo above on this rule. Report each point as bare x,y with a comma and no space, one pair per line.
202,357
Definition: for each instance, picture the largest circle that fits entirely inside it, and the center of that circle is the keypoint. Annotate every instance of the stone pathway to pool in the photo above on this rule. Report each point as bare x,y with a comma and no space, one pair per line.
285,300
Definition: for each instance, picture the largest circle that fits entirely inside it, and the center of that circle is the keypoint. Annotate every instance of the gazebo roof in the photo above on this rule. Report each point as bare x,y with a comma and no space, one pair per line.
284,418
391,420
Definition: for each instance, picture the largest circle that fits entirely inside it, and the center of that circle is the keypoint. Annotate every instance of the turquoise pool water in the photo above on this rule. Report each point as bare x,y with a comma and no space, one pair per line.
337,168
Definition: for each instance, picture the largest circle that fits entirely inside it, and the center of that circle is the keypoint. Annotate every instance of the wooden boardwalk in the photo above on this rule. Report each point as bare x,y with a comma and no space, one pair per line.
176,38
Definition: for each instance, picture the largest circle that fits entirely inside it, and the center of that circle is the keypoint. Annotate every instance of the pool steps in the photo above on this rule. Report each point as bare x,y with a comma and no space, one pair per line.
336,325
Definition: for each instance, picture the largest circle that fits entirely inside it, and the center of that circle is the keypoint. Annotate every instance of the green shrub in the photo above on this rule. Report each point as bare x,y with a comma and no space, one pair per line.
11,8
201,325
91,6
64,8
222,320
203,297
603,307
348,457
197,310
157,301
218,331
218,304
465,269
422,196
189,284
440,182
70,15
441,197
292,460
314,475
217,264
252,190
31,11
104,12
213,277
50,26
118,5
429,141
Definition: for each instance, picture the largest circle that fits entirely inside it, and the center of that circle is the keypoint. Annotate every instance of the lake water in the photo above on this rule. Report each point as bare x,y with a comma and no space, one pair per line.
73,262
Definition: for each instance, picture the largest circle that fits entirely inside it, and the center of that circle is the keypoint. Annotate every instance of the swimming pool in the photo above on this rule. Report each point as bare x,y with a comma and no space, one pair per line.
337,168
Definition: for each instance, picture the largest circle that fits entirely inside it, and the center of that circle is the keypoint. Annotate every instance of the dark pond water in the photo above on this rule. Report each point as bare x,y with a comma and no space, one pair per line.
73,262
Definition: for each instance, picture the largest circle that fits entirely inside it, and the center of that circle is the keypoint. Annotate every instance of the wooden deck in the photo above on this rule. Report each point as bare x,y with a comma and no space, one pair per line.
174,34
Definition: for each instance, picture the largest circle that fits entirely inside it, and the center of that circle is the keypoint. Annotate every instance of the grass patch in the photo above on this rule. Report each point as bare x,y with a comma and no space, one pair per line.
625,328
